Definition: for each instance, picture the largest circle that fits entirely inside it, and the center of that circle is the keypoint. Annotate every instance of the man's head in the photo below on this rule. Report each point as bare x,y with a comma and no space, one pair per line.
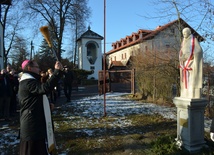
12,72
8,68
66,68
3,71
31,66
50,71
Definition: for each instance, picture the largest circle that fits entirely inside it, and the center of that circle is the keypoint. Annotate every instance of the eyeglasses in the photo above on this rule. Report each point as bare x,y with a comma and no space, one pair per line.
36,66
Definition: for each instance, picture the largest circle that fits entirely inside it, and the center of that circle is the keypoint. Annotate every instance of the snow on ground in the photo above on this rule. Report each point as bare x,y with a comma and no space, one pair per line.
93,107
8,137
117,105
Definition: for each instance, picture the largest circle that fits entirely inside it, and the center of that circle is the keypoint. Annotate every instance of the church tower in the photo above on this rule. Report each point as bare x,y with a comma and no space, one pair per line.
90,52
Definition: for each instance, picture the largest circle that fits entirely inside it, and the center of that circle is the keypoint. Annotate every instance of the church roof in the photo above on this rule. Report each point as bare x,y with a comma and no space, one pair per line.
116,63
90,34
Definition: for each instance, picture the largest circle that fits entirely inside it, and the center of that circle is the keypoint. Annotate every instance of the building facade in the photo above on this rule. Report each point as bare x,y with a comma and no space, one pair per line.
164,39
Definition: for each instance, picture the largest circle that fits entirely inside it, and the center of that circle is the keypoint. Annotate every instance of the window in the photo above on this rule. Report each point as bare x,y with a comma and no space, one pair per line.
124,56
91,53
167,45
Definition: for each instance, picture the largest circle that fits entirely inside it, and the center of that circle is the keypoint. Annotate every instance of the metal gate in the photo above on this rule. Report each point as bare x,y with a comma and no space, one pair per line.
117,81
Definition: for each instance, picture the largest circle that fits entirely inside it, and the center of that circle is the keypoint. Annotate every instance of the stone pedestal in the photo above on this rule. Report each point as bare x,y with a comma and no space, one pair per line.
190,123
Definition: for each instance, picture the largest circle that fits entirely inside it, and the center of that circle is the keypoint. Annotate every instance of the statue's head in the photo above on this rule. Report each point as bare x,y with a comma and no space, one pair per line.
186,32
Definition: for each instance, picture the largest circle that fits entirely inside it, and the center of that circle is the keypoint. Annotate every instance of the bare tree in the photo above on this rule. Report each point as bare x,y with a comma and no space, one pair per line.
60,14
11,22
197,13
18,52
155,73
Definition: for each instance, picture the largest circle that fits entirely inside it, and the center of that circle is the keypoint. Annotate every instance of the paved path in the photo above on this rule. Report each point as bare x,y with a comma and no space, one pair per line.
83,91
91,90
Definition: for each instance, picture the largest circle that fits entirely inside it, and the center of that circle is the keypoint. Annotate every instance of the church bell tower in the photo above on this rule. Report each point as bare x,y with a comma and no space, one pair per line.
90,52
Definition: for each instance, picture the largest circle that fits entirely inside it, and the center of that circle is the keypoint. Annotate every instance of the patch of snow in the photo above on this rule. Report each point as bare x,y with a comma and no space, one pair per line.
92,109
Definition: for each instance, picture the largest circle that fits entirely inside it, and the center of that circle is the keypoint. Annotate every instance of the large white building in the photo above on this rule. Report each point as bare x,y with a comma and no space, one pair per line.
90,52
164,39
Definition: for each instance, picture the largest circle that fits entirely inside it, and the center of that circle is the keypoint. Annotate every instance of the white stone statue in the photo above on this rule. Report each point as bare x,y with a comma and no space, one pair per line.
191,66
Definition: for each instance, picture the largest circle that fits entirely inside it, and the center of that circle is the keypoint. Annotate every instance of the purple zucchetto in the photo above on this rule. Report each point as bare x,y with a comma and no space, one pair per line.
24,63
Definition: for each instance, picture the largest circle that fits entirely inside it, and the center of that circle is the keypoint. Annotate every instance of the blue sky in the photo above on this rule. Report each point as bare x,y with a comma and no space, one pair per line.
123,17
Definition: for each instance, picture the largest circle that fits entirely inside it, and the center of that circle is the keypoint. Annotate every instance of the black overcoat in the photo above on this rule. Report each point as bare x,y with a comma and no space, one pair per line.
30,95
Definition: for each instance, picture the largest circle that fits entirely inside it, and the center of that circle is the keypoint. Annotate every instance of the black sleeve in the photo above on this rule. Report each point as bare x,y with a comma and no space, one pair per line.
212,126
43,88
